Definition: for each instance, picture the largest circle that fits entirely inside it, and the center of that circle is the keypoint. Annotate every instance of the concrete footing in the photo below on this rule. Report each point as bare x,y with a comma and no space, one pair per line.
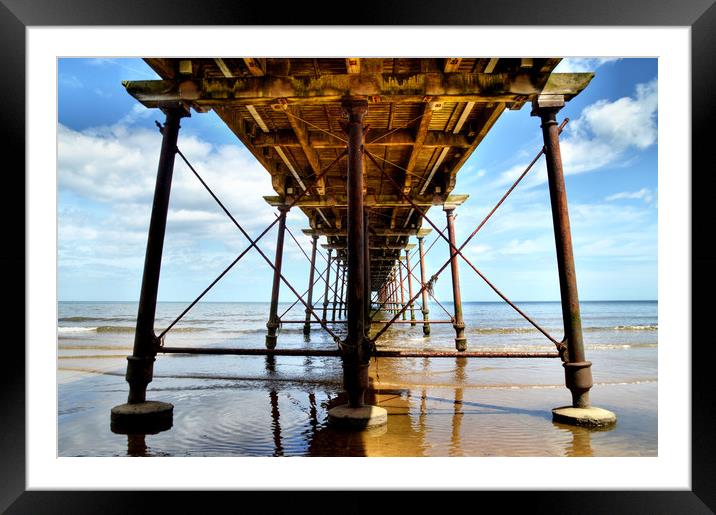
142,417
588,417
357,418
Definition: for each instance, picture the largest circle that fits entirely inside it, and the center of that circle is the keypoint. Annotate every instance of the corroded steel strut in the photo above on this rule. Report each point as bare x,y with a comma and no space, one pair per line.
140,365
273,323
410,286
311,274
402,290
459,325
380,353
423,289
577,370
253,243
328,285
458,251
356,347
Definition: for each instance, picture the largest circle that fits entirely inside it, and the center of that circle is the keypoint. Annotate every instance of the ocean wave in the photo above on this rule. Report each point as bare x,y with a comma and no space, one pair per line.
528,330
649,327
75,329
611,346
96,319
121,329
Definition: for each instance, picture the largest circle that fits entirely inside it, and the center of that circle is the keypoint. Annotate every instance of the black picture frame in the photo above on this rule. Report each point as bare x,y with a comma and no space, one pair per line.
700,15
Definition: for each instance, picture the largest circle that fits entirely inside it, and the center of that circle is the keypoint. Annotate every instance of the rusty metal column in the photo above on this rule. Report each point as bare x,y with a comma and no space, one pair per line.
366,260
335,288
410,288
402,289
458,324
426,310
356,351
578,373
140,365
325,291
342,304
273,323
307,325
393,297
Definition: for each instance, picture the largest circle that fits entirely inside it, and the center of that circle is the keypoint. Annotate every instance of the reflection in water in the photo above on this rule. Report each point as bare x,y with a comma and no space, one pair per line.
455,440
275,424
435,408
271,364
136,445
581,444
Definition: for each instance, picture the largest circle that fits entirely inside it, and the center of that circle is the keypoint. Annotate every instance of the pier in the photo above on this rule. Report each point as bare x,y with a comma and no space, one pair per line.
368,150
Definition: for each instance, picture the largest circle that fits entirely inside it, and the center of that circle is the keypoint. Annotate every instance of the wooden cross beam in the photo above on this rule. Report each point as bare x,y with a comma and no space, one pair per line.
439,87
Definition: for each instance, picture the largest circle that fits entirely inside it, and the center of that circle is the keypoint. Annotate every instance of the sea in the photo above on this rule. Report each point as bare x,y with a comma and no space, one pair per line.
256,406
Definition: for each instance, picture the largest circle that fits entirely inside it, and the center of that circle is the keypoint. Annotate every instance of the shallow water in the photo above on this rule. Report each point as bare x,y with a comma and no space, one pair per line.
255,406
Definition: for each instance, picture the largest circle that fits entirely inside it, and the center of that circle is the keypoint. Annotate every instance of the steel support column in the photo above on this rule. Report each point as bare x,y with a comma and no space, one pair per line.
356,347
393,293
402,289
335,288
327,277
140,365
426,310
273,322
307,325
459,325
578,373
366,260
342,304
410,288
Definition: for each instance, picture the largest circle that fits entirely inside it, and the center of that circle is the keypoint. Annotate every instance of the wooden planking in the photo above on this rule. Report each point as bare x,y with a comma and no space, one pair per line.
420,135
452,64
300,130
255,66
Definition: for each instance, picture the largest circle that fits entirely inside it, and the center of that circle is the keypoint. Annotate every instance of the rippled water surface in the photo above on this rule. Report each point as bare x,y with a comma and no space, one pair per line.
254,406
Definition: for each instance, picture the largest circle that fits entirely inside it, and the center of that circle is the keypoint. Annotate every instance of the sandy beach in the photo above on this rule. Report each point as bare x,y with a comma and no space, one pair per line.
255,406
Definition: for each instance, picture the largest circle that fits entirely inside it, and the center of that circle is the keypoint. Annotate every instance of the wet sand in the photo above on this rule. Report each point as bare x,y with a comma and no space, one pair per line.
255,406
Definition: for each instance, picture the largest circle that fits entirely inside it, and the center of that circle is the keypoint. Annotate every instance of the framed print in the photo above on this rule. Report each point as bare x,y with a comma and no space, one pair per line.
73,463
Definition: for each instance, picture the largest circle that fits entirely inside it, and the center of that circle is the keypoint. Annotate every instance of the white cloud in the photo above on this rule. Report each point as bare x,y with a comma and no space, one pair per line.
109,173
70,81
582,64
606,134
644,194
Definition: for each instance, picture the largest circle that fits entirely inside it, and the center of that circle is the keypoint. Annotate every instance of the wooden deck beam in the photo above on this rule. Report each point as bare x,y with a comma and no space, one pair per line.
379,231
370,200
453,87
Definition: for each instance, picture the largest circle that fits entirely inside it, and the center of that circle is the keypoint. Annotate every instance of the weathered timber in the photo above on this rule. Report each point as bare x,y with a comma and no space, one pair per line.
376,138
455,87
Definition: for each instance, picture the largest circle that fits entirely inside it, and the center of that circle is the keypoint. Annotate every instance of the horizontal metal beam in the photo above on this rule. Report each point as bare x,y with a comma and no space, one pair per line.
453,87
381,353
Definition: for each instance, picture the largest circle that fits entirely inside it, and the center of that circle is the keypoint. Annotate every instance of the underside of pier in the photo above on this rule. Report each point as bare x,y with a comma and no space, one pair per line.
365,148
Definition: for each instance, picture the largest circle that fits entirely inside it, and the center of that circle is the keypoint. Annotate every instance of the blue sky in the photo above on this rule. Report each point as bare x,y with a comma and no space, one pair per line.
108,147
